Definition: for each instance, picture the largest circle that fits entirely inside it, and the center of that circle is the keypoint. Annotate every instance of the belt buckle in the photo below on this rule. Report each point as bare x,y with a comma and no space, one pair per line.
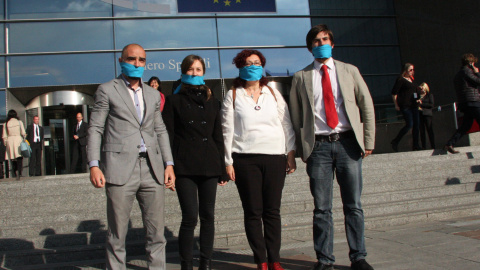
333,137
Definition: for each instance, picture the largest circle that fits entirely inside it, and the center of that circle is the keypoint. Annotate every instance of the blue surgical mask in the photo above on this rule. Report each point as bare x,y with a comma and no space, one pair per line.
131,70
193,80
251,73
324,51
189,79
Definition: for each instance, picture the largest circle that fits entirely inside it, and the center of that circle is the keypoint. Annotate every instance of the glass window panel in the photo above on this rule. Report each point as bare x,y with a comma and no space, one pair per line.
166,33
41,70
2,38
146,8
370,60
2,72
262,31
361,30
3,107
75,36
280,62
2,5
166,65
35,9
352,7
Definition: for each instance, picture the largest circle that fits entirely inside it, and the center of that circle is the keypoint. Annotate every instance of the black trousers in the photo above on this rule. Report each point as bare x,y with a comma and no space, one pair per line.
17,166
196,195
35,162
79,150
260,180
470,113
426,124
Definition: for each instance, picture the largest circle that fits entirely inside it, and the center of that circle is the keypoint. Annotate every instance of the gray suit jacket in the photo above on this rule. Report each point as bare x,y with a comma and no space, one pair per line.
357,100
114,119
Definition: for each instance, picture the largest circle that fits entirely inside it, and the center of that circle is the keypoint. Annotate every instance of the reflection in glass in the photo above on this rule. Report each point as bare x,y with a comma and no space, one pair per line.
280,62
35,9
41,70
166,33
263,31
60,36
2,72
166,65
2,38
144,8
3,107
370,60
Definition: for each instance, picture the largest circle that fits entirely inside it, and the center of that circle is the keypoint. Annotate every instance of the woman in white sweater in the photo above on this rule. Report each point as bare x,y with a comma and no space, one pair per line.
259,151
13,135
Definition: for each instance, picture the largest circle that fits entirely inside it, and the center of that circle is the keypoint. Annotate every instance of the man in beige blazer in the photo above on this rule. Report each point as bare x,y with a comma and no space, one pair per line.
128,146
333,138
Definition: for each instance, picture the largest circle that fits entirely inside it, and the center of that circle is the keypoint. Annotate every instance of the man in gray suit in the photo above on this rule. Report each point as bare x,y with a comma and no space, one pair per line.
328,101
130,160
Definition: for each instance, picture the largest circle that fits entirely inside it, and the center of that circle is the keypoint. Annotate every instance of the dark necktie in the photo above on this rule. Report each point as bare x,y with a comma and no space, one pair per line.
36,134
328,100
78,126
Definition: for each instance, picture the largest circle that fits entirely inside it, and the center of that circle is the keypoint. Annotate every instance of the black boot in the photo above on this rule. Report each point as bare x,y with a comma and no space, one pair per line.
186,265
205,264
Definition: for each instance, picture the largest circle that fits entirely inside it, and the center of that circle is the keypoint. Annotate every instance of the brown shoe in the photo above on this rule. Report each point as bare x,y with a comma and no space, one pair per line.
450,149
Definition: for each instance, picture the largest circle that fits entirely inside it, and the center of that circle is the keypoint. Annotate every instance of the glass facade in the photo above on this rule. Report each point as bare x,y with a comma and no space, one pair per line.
72,42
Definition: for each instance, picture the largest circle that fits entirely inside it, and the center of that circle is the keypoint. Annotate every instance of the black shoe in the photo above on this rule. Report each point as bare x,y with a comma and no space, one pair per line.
450,149
361,265
321,266
205,264
186,265
394,145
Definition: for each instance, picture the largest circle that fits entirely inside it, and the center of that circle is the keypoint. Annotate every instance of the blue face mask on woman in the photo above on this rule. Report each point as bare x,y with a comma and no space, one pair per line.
190,79
131,70
324,51
251,73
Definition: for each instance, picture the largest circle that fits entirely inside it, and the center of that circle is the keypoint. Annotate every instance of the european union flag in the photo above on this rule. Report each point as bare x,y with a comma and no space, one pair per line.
218,6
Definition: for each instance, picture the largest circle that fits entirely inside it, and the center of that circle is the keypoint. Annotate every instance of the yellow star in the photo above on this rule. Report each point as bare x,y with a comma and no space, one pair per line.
215,1
239,1
227,3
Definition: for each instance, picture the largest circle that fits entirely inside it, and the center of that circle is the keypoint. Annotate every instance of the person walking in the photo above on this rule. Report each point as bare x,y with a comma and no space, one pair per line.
467,84
405,94
13,135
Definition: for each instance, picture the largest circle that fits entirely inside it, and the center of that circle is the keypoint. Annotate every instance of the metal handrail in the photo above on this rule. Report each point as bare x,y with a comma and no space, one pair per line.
384,120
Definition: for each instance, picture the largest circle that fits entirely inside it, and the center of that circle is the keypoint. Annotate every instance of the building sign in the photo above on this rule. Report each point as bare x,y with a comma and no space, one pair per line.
219,6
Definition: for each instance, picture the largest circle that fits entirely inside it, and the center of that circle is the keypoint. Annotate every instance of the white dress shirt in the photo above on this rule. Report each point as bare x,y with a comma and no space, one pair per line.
321,127
249,131
36,130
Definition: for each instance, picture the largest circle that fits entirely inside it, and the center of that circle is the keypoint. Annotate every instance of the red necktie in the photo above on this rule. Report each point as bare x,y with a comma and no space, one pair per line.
328,100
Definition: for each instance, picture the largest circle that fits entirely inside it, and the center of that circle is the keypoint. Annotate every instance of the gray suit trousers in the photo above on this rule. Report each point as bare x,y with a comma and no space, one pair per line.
150,196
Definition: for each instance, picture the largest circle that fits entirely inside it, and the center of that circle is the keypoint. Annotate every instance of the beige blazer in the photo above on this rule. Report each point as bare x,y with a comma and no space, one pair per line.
115,132
12,140
357,100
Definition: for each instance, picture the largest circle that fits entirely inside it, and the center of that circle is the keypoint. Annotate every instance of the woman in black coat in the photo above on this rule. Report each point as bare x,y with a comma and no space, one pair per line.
194,126
425,104
405,93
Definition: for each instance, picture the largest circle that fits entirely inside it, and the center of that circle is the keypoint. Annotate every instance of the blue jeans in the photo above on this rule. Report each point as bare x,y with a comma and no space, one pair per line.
412,120
343,158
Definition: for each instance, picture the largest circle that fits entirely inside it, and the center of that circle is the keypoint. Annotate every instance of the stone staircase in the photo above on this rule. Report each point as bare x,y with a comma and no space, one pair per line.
59,221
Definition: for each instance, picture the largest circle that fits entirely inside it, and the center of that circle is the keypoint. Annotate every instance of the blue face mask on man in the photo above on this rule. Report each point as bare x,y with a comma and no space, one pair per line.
324,51
131,70
251,73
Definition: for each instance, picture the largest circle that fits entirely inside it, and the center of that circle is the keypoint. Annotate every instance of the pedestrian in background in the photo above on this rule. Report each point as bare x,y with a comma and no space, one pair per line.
155,83
405,93
13,135
425,107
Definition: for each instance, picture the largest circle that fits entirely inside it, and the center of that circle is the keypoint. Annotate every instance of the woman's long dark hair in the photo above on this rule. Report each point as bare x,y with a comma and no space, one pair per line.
186,64
155,78
11,114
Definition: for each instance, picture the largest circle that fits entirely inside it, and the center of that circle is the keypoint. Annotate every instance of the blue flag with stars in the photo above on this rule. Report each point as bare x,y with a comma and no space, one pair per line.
218,6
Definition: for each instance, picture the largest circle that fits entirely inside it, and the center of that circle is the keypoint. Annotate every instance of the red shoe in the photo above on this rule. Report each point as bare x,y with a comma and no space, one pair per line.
275,266
262,266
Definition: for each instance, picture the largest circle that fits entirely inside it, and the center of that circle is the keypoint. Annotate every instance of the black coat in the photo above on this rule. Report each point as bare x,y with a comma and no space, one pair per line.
405,92
467,83
427,104
195,131
30,133
81,133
